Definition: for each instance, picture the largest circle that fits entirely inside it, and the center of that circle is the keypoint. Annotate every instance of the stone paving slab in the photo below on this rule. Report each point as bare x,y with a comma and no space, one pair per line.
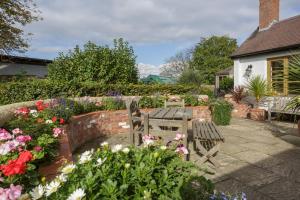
254,159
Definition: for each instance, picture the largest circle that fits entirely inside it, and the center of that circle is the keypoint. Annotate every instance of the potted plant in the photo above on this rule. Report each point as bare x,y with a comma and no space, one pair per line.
294,106
257,87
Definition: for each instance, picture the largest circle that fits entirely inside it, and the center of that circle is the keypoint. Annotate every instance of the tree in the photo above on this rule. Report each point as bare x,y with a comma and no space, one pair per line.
189,76
211,55
96,63
14,15
175,65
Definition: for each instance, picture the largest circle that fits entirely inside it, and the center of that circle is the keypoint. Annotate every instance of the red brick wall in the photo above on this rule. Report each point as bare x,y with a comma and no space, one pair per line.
268,12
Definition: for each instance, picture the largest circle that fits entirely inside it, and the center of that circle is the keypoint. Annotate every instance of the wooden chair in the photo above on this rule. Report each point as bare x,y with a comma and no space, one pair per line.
174,104
207,139
135,122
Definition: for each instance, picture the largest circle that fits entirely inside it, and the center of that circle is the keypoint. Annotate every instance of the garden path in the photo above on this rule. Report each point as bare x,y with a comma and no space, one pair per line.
257,158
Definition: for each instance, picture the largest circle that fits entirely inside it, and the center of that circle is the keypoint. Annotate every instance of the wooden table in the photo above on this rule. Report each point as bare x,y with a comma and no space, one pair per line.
170,120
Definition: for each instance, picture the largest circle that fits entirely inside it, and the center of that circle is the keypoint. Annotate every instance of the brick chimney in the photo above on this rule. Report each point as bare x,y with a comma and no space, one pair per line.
268,13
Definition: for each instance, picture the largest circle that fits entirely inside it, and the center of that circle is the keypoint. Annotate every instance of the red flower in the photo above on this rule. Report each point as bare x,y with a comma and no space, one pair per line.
17,166
41,106
54,119
24,157
61,121
13,167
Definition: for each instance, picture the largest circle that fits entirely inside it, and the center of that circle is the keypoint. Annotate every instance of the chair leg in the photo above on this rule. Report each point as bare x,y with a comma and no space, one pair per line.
207,155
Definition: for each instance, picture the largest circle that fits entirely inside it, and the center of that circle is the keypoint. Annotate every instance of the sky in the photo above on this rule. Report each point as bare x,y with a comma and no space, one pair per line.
156,29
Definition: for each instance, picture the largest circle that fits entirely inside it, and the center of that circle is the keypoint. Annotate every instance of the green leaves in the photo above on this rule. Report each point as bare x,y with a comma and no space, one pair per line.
211,55
257,87
96,63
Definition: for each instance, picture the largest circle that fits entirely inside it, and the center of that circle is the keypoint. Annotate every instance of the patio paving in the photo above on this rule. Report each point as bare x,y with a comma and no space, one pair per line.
257,158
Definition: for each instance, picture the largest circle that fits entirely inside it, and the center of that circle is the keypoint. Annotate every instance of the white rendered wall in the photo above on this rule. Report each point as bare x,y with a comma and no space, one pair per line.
259,66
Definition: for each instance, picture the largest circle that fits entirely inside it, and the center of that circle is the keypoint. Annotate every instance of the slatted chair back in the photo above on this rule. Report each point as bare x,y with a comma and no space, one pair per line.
134,118
174,104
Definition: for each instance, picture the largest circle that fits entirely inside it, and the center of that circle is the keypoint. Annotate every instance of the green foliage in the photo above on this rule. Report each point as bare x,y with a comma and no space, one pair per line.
96,63
191,100
113,103
221,112
212,55
141,173
189,76
151,102
197,188
257,86
294,104
226,84
44,89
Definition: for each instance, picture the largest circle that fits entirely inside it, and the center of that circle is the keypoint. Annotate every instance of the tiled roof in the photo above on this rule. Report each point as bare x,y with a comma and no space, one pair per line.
282,35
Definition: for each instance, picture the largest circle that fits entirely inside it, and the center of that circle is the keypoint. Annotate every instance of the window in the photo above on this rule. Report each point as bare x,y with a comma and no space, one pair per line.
284,75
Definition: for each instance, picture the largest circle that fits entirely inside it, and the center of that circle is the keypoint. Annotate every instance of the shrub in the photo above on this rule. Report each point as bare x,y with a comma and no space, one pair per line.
226,84
152,172
13,92
113,103
238,94
190,100
151,102
221,112
93,63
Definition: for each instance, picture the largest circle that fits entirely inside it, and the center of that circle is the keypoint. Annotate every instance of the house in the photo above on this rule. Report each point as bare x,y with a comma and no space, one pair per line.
225,73
11,66
269,50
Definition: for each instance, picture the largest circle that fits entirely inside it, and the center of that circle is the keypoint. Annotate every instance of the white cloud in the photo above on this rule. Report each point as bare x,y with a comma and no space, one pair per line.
147,69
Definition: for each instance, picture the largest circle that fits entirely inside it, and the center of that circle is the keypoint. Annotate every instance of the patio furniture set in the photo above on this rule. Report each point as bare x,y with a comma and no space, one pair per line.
174,118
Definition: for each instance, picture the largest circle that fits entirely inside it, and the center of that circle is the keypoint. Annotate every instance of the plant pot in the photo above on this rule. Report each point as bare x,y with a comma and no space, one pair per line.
257,114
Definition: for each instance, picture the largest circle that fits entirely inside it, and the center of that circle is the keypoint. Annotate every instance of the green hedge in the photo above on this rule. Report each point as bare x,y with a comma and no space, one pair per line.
28,90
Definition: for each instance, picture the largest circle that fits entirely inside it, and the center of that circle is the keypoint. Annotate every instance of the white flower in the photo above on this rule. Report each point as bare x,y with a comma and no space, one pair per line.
163,147
127,165
68,169
62,178
117,148
37,192
148,142
126,150
77,195
104,144
100,161
52,187
49,121
86,156
34,113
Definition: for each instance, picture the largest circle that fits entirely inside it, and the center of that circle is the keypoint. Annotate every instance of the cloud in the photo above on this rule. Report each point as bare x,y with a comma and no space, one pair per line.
147,69
71,22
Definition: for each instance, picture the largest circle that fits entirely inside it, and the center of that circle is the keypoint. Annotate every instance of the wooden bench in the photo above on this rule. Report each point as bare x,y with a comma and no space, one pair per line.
278,105
206,139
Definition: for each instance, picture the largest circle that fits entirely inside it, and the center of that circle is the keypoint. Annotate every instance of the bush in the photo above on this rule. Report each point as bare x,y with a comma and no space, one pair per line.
191,100
151,102
221,112
93,63
113,103
13,92
226,84
130,173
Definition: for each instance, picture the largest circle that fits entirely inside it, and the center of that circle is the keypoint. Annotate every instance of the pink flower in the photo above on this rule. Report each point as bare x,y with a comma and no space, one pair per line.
8,147
182,150
12,193
57,132
23,139
4,135
17,131
148,139
179,136
38,148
